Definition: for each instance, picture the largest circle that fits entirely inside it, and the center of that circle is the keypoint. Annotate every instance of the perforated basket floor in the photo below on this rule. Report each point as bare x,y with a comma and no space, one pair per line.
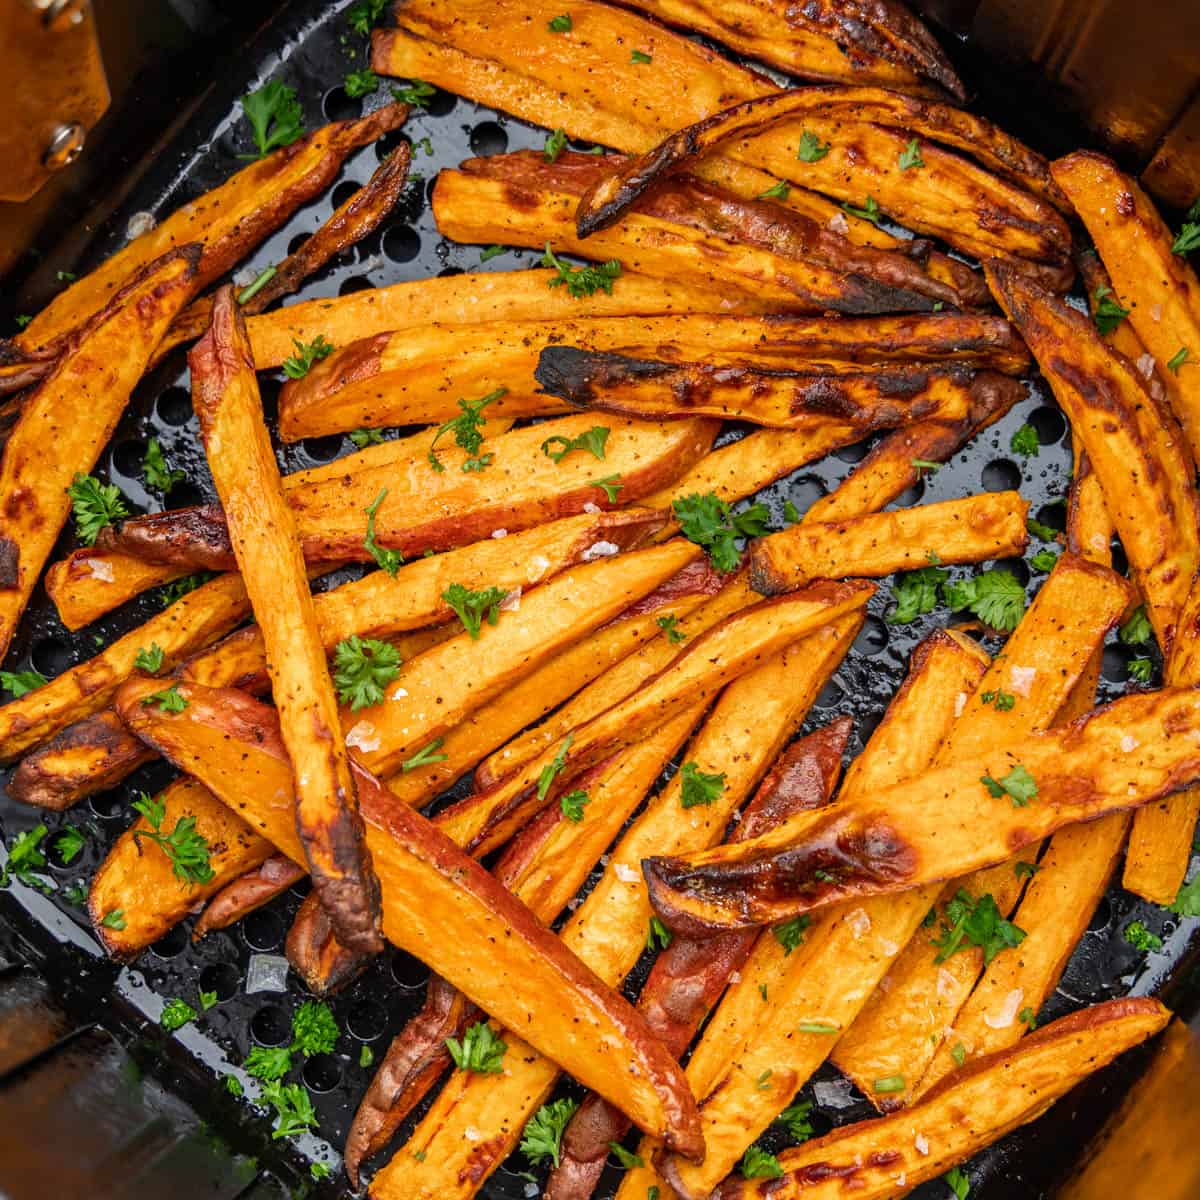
310,48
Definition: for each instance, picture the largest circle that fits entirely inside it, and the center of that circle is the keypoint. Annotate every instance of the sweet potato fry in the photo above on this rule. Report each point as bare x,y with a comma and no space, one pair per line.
1121,337
427,509
89,583
437,903
880,43
700,669
241,896
968,1112
186,626
687,230
139,879
264,539
69,417
989,525
1159,288
842,955
688,977
777,398
227,222
315,954
850,109
906,835
747,727
349,223
415,376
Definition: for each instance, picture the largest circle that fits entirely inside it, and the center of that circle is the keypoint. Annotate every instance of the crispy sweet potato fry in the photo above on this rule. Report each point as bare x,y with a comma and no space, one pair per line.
747,727
241,896
906,835
426,509
265,541
437,903
227,222
701,668
969,1111
140,881
842,956
850,108
88,583
1122,337
70,416
315,954
688,230
836,40
1159,288
688,977
989,525
415,376
349,223
190,623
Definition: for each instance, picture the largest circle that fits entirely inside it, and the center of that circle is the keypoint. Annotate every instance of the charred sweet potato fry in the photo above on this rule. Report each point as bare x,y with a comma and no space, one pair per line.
700,669
71,414
263,536
241,896
139,880
906,835
747,727
687,230
879,43
437,903
1159,288
688,977
415,376
970,1110
429,509
989,525
315,954
226,223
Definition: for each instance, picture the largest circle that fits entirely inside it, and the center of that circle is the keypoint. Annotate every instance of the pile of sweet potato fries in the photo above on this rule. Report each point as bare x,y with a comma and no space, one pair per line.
560,591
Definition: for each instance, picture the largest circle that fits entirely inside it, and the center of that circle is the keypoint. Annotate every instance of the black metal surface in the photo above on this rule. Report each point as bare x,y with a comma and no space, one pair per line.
310,48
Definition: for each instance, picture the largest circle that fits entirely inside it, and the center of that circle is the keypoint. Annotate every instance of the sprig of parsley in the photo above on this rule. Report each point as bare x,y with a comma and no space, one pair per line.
480,1050
1025,442
573,804
757,1163
297,365
959,1184
388,560
810,149
415,95
151,660
1137,630
185,847
157,475
466,429
542,1138
169,700
592,440
176,1014
1107,313
996,597
790,934
670,626
916,593
474,607
795,1120
364,15
293,1107
362,669
1141,669
96,505
1018,784
19,683
699,788
710,522
275,116
581,281
26,860
910,156
1188,238
969,922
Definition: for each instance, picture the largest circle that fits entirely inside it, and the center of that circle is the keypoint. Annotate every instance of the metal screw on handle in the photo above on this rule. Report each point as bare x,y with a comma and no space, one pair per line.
64,147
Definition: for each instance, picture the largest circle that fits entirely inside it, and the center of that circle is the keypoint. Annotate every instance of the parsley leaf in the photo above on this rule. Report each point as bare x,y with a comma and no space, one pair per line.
207,1000
297,365
573,804
996,597
581,281
1025,442
658,934
1000,701
362,438
699,788
910,156
610,484
275,116
1137,629
113,919
889,1083
21,682
810,149
168,700
26,859
640,56
388,560
958,1052
790,934
293,1108
362,669
758,1164
178,588
426,756
777,191
670,626
869,211
157,475
1177,360
709,522
186,848
490,252
151,660
916,593
366,1056
473,607
466,429
1141,669
560,24
554,767
1025,868
415,95
1188,238
314,1030
1044,560
960,1185
268,1062
1018,784
1107,313
795,1120
1140,938
1046,532
1187,902
360,83
593,441
68,843
968,922
364,15
96,506
542,1138
480,1050
176,1014
555,144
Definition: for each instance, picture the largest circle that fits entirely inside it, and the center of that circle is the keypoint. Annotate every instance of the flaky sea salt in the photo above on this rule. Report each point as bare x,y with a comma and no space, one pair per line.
363,736
1129,742
625,873
512,601
538,566
499,533
921,1142
140,223
1021,679
1007,1012
98,568
600,550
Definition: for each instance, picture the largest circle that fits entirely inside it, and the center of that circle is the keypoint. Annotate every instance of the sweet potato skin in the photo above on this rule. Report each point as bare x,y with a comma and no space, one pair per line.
232,743
263,536
970,1110
986,526
315,954
272,877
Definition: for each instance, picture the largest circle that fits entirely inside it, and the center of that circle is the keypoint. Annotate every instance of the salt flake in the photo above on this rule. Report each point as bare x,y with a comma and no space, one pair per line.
600,550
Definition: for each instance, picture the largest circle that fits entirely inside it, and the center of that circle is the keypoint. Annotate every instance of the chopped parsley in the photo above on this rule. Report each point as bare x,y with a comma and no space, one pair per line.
958,1182
1044,560
1024,869
810,149
592,440
640,56
113,919
362,438
763,1082
1018,784
364,15
275,117
426,756
151,660
889,1083
1028,1018
1188,238
155,472
68,843
415,94
297,365
795,1120
314,1029
388,560
268,1062
207,1000
474,607
758,1164
573,804
96,506
169,700
1046,532
185,847
556,143
178,588
542,1138
1107,313
19,683
1141,670
790,934
968,922
554,767
560,24
1025,441
658,935
869,211
916,593
790,512
1140,938
581,281
711,523
466,429
1177,360
360,83
490,252
362,669
610,484
1187,901
176,1014
910,156
366,1056
1137,630
26,859
293,1107
670,626
480,1050
699,788
1000,701
777,191
958,1052
996,597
